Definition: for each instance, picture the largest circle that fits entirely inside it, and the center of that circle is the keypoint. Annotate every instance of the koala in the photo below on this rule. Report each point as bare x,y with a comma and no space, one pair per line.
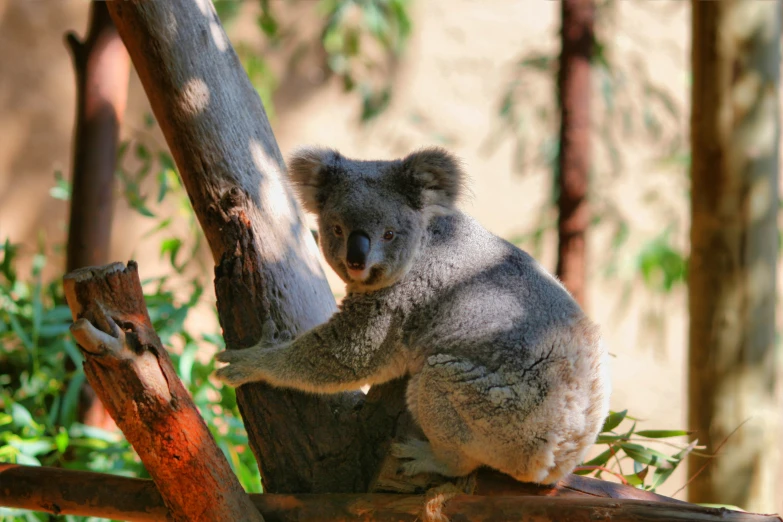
505,369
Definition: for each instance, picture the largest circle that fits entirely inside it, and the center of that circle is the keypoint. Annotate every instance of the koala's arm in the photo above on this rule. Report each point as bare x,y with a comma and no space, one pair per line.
355,347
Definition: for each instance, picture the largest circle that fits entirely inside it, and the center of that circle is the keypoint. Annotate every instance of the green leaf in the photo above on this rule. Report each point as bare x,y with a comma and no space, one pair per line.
268,24
71,399
171,247
57,314
32,448
608,439
73,352
61,440
662,434
82,430
51,417
660,475
647,455
601,459
62,187
186,362
637,479
22,417
613,420
142,152
27,460
20,332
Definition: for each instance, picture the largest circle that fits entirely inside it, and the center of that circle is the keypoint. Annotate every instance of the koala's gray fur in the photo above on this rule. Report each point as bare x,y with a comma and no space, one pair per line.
505,369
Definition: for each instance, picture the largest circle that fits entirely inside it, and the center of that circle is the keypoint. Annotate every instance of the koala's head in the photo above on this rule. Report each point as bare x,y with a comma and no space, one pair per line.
373,215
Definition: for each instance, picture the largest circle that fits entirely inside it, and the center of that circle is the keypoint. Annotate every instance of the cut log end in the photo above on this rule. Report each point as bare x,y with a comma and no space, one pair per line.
93,272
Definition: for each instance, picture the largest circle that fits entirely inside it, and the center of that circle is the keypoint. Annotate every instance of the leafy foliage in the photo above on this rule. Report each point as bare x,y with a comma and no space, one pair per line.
383,26
637,448
360,41
40,395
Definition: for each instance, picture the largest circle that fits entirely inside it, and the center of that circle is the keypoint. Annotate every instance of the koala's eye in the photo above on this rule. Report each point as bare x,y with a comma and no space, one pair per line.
338,230
388,235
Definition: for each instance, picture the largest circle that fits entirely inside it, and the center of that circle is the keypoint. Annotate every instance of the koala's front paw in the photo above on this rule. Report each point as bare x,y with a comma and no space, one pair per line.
243,366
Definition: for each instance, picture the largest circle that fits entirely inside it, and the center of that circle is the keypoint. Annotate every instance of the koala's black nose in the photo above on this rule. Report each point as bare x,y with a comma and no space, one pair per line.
358,249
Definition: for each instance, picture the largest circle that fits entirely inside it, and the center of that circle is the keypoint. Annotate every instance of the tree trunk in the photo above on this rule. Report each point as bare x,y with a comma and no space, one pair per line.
69,492
574,156
267,274
102,68
127,365
732,274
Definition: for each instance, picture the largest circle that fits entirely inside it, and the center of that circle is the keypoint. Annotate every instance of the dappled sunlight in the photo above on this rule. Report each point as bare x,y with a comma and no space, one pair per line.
219,36
275,199
762,198
758,132
205,6
194,97
745,93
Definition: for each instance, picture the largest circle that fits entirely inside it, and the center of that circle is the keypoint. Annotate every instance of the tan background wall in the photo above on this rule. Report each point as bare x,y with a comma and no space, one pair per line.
448,89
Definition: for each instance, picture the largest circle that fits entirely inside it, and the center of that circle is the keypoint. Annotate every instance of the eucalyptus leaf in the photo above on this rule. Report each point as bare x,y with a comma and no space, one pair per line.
613,420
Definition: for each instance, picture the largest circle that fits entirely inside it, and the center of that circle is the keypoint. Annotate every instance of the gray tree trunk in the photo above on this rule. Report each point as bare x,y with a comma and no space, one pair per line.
732,275
266,268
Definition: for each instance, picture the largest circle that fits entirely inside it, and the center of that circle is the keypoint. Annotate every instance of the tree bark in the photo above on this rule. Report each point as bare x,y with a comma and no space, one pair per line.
574,155
267,274
65,492
732,275
131,371
102,68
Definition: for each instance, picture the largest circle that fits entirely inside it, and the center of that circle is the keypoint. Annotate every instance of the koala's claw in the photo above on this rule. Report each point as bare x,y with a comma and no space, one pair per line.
240,369
234,375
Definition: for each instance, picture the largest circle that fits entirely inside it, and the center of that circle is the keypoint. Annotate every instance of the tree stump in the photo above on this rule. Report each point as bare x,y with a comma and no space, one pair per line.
132,374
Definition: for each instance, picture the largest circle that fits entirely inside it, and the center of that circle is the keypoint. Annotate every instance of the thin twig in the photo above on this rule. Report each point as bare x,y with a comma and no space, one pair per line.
603,468
714,454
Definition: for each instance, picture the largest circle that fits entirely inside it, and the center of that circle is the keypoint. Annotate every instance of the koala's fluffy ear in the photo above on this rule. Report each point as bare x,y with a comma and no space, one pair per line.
308,169
437,175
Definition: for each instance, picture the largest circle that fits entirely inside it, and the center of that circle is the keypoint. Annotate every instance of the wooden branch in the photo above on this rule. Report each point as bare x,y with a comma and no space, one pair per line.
132,374
102,68
66,492
267,272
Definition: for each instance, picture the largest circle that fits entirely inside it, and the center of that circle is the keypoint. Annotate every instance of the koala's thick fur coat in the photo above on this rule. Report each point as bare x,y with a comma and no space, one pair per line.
505,369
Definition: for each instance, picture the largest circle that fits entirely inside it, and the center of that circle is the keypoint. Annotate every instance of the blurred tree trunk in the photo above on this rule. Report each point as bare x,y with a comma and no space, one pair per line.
102,69
574,156
732,275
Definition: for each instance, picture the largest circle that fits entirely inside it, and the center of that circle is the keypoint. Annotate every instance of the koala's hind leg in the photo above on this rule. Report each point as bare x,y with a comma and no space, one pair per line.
424,458
443,453
479,417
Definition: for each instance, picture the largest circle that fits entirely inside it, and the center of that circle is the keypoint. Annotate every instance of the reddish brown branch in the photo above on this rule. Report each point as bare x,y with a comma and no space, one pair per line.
93,494
102,68
574,157
131,372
